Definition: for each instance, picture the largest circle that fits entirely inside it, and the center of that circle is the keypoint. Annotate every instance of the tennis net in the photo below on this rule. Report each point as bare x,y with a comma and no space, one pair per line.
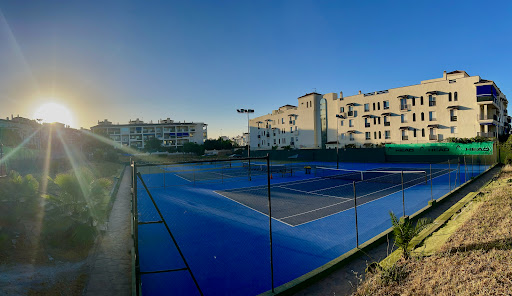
393,177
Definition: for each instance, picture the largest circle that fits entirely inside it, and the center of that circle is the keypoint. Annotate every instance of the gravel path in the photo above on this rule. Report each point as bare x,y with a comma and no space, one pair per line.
111,265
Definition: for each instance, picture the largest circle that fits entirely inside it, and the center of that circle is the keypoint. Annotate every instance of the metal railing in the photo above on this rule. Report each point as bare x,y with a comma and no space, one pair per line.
387,123
453,118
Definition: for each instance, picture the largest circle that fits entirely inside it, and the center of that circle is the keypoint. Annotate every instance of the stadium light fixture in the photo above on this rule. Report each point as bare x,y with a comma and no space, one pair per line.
248,111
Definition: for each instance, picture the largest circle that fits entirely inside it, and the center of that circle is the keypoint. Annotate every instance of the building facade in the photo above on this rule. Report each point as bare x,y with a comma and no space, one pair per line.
456,105
136,132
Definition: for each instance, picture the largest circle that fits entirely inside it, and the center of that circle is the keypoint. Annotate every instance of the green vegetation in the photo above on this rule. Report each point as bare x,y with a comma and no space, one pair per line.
404,231
477,139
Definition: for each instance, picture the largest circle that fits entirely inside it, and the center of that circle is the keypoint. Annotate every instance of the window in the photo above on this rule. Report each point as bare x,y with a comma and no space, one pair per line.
367,134
403,118
414,133
422,116
387,134
351,137
421,100
386,104
403,104
423,132
378,120
341,123
343,136
453,115
375,120
373,106
449,97
342,109
291,129
404,135
453,129
431,100
414,117
455,97
386,122
378,105
350,123
432,116
375,135
414,101
366,122
380,134
366,107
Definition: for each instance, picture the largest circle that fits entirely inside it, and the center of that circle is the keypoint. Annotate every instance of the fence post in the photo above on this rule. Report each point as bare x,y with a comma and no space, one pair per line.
269,221
403,193
164,176
355,211
431,193
465,170
449,176
136,227
472,165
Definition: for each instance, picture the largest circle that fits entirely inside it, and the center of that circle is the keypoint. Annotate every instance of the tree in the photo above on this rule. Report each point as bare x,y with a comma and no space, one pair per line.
404,231
153,145
193,148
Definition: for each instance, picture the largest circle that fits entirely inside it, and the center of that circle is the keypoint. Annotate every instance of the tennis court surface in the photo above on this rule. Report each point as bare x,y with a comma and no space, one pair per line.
221,224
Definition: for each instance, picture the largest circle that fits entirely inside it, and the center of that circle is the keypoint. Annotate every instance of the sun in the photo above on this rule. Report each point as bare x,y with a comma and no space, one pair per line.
54,112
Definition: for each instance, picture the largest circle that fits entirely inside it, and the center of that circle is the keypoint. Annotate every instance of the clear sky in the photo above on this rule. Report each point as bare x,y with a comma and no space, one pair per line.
201,60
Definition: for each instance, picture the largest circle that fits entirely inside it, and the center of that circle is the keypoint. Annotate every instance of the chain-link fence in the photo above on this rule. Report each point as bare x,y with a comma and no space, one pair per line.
246,226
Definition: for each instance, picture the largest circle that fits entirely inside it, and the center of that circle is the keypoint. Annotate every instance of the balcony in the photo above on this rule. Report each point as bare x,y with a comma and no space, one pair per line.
350,113
487,135
387,123
432,137
405,107
405,138
453,118
432,103
367,124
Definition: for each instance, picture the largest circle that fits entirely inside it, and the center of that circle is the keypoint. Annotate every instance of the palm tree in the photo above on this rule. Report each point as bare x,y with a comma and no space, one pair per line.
404,231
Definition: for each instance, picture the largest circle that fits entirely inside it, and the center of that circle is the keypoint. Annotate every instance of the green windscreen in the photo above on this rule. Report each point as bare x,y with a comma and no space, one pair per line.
483,148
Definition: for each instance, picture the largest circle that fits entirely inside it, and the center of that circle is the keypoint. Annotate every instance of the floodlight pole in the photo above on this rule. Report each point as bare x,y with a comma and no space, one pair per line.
248,136
337,142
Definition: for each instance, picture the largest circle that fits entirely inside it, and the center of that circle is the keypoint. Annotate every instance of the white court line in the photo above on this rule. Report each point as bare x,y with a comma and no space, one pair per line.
252,209
309,192
361,204
181,177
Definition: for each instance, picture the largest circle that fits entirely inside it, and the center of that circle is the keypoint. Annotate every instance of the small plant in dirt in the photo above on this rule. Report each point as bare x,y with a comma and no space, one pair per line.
404,231
393,274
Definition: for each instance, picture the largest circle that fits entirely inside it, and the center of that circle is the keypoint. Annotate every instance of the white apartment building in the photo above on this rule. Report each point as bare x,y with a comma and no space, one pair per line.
241,140
456,105
136,132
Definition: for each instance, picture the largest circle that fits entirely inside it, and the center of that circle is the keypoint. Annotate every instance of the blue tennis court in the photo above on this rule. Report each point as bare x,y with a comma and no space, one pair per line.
222,227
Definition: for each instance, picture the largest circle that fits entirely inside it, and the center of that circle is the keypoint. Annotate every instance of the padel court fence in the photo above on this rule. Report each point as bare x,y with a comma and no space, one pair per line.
301,194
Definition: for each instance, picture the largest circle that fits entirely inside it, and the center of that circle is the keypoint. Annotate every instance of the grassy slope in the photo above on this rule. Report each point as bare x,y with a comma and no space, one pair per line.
471,255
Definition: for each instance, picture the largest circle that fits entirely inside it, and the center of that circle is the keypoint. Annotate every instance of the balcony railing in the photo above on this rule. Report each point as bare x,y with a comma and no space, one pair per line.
432,103
405,107
405,138
488,117
453,118
367,124
350,113
432,137
387,123
487,135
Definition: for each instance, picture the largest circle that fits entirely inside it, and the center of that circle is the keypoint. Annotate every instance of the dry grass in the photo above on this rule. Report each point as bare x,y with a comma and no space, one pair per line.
475,260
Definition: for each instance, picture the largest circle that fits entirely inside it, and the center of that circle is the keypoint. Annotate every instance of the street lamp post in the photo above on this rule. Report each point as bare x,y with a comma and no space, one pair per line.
337,141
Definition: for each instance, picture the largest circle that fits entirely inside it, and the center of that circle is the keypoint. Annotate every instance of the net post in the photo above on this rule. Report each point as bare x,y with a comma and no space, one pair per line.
269,222
362,177
403,193
458,167
449,176
355,212
431,191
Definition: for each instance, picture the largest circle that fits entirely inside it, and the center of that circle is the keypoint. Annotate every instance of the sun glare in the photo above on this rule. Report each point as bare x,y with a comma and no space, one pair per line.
53,112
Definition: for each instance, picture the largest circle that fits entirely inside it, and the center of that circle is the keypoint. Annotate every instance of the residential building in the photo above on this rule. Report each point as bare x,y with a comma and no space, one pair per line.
136,132
241,140
455,105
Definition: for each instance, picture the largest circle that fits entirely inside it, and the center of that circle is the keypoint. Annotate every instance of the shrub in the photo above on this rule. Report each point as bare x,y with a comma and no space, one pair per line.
404,231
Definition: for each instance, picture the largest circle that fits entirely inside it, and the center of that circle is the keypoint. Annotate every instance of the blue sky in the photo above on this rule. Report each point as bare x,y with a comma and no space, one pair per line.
201,60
